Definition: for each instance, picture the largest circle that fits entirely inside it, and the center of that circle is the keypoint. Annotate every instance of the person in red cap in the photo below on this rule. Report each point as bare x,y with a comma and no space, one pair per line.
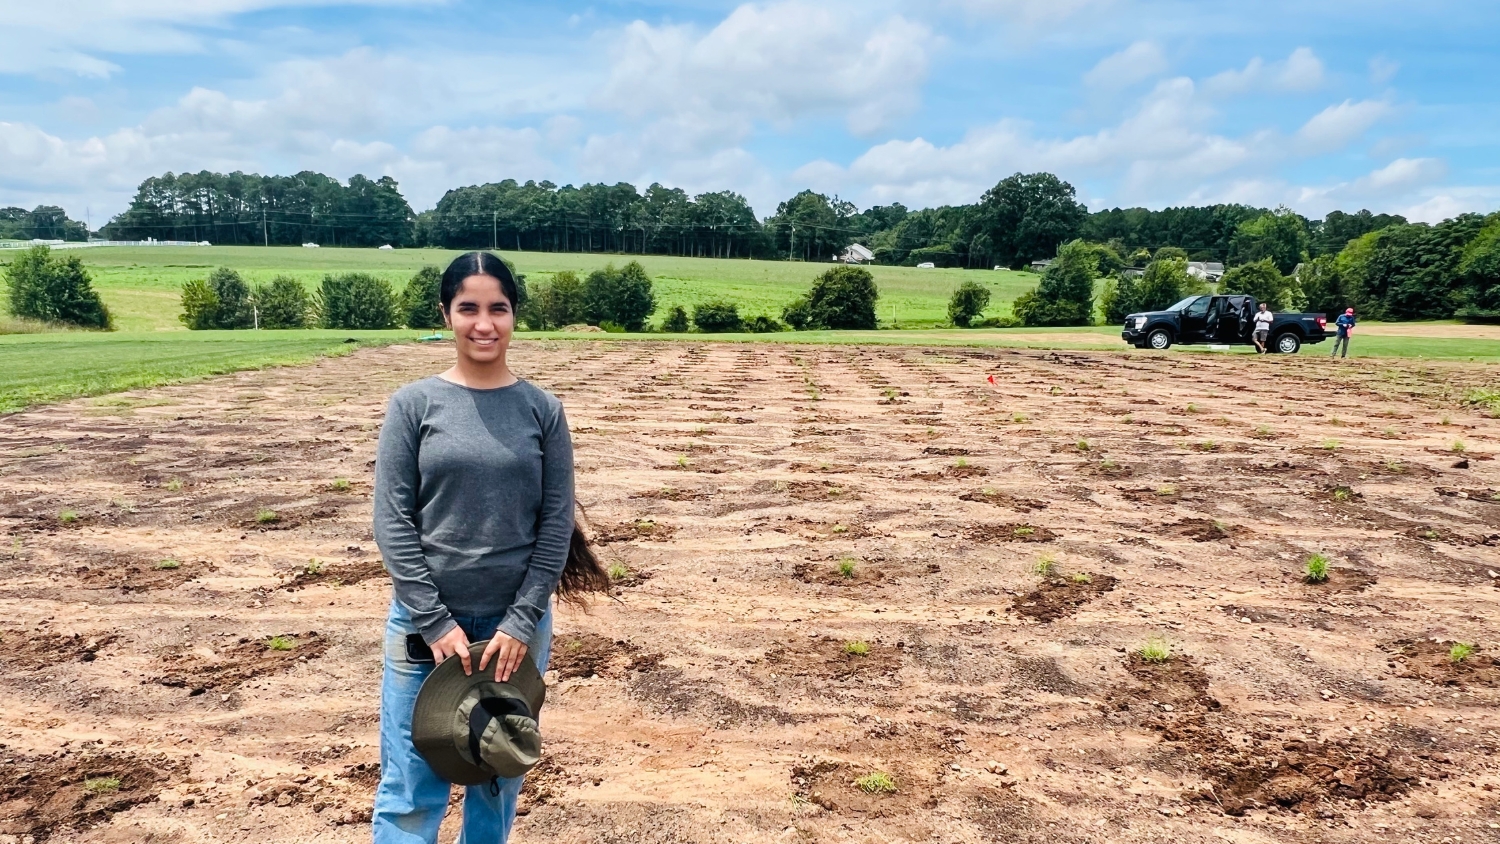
1345,324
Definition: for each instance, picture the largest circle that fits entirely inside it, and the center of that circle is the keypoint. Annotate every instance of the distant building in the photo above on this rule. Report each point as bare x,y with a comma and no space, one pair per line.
1039,266
387,246
1206,270
856,254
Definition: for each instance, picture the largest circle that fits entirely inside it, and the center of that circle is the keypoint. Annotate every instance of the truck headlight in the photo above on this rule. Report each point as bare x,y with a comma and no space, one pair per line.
1140,322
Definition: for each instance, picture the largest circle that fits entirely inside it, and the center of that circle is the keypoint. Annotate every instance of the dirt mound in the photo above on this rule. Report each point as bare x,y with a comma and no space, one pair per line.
192,669
1343,580
43,796
828,530
1488,496
45,649
668,493
1168,690
820,491
592,655
1201,530
1425,659
948,451
344,574
631,531
964,471
1004,499
1059,597
1014,532
828,658
837,787
1304,775
833,574
111,570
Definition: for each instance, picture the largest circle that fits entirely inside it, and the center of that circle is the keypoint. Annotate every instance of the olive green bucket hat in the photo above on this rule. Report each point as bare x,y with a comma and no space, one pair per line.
471,728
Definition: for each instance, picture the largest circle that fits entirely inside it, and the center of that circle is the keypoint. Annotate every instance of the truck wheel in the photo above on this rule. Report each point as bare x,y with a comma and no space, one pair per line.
1159,339
1288,343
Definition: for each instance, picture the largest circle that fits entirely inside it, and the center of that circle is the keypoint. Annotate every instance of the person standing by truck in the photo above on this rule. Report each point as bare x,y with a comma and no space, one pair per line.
1345,324
1263,321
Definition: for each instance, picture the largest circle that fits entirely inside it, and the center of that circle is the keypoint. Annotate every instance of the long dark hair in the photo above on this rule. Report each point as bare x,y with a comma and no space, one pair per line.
583,574
478,263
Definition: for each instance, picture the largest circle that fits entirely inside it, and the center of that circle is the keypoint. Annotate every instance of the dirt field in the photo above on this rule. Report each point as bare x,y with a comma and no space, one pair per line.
842,562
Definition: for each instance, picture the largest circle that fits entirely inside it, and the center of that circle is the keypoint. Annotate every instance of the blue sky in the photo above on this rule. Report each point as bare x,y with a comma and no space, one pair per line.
1313,104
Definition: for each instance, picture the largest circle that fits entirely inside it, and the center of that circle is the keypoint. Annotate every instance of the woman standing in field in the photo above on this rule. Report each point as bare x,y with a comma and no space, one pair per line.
474,518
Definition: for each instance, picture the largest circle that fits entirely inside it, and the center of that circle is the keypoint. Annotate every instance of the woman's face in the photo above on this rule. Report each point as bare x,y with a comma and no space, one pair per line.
481,318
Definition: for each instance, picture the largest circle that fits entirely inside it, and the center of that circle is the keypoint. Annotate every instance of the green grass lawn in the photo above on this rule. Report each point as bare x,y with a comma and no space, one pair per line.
141,285
40,368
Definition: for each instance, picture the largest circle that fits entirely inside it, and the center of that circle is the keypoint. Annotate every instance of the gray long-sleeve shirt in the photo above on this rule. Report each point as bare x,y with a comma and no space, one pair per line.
474,503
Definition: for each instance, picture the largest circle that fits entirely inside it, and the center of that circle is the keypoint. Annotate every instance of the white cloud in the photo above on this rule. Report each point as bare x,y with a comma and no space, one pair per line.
1336,126
1383,70
1140,61
69,35
778,62
1028,11
1301,71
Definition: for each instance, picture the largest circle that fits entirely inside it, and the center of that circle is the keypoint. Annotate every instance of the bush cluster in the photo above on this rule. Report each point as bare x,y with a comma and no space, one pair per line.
55,289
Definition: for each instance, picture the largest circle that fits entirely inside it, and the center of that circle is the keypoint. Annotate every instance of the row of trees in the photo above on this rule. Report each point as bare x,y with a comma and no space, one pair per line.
1400,271
44,222
1023,218
241,208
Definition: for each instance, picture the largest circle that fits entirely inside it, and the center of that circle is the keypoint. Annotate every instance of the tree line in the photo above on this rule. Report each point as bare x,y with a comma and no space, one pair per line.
1397,271
44,222
1390,268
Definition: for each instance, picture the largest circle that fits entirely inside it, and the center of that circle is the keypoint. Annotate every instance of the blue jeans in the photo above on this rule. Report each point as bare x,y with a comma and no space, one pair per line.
411,800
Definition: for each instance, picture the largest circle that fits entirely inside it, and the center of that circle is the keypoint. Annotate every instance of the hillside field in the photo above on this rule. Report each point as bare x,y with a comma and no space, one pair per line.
141,284
863,595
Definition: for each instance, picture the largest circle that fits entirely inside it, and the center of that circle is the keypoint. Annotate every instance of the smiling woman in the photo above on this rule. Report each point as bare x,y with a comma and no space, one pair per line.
474,519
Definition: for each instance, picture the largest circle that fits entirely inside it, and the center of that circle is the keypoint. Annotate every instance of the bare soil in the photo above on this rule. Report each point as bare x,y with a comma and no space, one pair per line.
738,685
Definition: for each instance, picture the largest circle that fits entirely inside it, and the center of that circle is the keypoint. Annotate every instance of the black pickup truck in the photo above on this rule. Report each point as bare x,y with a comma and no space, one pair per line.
1220,319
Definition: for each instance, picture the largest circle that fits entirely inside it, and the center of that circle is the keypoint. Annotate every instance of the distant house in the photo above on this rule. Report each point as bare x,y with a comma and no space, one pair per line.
1133,272
856,254
1039,266
1210,271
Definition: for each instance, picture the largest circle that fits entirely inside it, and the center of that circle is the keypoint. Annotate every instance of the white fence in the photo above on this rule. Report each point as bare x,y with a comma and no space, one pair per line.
58,244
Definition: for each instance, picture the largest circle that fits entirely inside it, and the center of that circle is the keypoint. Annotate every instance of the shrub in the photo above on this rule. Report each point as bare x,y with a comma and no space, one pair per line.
421,299
798,314
620,296
763,324
1266,283
556,303
846,567
52,289
842,298
967,303
1460,651
716,317
200,307
857,648
356,301
1065,295
236,307
283,303
676,321
281,643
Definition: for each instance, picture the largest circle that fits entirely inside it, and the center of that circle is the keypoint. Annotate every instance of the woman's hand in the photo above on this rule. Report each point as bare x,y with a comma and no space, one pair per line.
508,653
455,641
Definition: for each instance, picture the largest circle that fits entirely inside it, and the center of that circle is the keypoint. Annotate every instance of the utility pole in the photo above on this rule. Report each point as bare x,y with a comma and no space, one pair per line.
265,234
495,229
791,251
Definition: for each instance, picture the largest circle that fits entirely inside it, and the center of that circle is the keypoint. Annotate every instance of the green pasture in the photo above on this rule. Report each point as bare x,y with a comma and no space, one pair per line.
141,285
41,368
